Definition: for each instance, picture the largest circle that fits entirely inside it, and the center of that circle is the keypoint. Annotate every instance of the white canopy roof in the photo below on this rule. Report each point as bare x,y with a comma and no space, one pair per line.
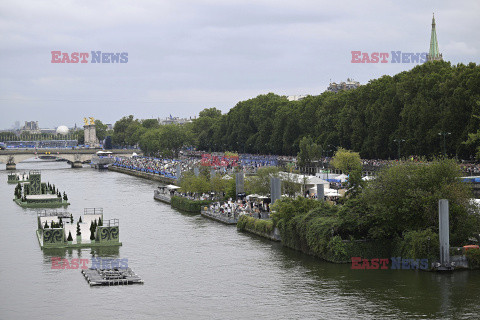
303,179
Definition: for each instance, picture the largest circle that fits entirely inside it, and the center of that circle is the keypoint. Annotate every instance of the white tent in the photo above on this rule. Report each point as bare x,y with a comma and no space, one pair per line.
343,177
327,192
309,181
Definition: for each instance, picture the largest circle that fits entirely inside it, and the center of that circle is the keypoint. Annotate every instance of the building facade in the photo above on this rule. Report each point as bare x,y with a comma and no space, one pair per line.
348,85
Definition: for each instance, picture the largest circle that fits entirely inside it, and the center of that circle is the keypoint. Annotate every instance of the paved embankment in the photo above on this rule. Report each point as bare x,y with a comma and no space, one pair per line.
145,175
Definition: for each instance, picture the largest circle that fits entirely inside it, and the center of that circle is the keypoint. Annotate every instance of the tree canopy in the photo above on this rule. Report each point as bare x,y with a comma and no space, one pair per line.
414,107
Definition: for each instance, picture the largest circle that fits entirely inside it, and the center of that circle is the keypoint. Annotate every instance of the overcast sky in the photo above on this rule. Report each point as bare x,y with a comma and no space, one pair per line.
187,55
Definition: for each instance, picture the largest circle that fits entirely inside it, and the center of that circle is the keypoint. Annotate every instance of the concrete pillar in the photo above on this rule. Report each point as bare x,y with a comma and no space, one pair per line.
275,189
11,166
77,164
212,173
179,172
444,233
196,171
320,192
239,182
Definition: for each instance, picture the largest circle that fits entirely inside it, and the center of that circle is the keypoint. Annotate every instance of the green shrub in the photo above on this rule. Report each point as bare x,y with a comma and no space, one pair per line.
473,257
242,222
252,224
188,205
418,245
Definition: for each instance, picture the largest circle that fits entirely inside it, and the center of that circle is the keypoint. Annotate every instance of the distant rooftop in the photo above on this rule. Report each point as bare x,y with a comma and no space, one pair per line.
296,97
347,85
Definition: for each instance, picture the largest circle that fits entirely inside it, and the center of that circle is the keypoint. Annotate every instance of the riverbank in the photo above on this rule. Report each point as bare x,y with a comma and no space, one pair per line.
259,227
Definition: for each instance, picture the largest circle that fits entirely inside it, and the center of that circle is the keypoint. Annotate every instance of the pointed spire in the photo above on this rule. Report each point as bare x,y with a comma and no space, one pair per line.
434,53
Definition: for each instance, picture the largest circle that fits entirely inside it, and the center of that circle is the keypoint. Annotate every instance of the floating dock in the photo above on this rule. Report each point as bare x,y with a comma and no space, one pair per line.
111,277
162,197
219,217
164,193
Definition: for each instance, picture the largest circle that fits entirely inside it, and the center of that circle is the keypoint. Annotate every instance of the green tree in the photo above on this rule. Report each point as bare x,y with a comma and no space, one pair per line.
309,151
81,137
150,124
405,197
260,183
218,184
120,130
203,128
100,129
350,163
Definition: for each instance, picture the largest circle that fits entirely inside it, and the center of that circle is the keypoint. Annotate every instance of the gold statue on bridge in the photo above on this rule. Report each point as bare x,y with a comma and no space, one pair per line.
91,119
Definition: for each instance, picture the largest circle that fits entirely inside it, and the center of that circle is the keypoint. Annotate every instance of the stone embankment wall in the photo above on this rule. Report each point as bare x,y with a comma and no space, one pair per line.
145,175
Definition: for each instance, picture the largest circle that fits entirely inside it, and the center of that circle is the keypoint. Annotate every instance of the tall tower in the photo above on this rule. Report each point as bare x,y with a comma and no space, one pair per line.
434,53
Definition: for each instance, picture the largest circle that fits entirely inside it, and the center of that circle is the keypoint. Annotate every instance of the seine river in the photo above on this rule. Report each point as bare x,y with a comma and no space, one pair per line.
195,268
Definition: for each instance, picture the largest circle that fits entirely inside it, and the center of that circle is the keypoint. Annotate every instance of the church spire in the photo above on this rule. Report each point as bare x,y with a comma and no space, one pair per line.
434,53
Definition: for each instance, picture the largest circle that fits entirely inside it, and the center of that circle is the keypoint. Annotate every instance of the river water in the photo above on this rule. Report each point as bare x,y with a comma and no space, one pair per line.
195,268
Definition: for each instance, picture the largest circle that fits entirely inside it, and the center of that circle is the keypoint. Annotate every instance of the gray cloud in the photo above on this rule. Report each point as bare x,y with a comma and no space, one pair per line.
188,55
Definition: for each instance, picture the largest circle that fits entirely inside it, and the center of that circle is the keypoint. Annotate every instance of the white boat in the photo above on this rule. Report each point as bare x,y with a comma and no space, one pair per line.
102,159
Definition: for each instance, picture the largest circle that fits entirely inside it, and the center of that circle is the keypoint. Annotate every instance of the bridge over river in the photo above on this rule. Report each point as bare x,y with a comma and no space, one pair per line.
75,156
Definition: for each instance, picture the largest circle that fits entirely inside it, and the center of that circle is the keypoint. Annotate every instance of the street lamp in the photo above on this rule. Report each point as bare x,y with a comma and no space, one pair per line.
399,141
330,148
444,134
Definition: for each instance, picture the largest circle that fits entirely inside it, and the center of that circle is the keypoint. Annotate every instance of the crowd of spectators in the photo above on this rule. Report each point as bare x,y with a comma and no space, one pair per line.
234,209
470,169
163,167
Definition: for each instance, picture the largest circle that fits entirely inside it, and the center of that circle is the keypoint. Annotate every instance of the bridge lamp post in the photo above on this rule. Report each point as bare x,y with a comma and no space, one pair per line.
444,134
399,141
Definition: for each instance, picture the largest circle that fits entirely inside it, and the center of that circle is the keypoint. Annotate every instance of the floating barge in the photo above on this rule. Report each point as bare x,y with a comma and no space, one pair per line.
111,277
37,194
53,231
219,217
